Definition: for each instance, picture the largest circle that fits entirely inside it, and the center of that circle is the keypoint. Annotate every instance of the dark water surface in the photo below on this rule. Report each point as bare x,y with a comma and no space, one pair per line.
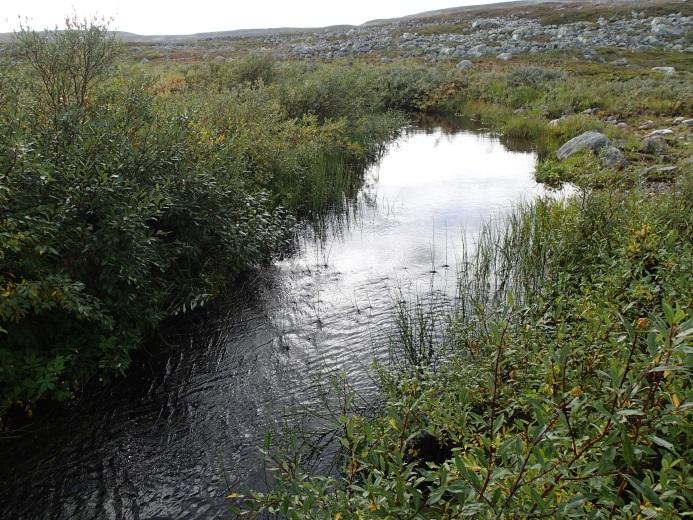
169,440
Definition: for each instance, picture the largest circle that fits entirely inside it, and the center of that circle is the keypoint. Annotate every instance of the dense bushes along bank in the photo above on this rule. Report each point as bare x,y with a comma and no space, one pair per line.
128,193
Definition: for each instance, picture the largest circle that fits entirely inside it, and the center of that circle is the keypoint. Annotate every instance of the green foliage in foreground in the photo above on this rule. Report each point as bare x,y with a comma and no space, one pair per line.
131,193
571,397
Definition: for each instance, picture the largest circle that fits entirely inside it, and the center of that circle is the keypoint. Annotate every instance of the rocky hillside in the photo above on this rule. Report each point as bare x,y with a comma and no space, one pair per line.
466,33
472,33
499,35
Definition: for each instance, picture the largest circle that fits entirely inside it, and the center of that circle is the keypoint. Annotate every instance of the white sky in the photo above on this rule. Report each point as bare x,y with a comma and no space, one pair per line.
191,16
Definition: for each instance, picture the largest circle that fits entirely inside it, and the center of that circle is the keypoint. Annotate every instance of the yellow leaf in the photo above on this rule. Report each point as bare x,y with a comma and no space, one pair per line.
338,516
675,400
232,496
393,424
576,391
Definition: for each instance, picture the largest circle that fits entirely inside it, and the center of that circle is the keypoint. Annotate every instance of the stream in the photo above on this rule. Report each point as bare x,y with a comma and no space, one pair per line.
170,439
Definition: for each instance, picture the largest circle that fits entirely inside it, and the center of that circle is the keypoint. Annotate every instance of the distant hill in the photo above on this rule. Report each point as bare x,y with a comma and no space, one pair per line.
465,9
239,33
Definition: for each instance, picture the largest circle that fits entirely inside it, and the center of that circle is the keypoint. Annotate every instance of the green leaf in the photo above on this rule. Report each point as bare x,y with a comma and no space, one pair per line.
628,453
629,411
573,503
644,489
663,443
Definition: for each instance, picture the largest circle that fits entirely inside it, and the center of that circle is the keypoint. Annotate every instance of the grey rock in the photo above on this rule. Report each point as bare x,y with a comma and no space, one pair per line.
662,27
465,65
484,23
620,62
665,70
654,144
658,172
612,157
660,132
504,56
594,141
478,51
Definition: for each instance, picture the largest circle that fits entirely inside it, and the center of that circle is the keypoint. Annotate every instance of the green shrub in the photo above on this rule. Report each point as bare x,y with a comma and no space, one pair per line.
532,76
255,69
98,234
408,87
329,92
68,63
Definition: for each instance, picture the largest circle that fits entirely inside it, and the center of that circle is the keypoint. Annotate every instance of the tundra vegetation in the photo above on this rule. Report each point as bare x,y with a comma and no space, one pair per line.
131,191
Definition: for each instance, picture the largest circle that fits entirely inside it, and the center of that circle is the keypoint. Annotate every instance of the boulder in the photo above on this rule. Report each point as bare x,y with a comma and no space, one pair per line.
484,23
665,70
477,51
504,56
594,141
662,27
658,173
654,144
465,65
660,132
612,157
